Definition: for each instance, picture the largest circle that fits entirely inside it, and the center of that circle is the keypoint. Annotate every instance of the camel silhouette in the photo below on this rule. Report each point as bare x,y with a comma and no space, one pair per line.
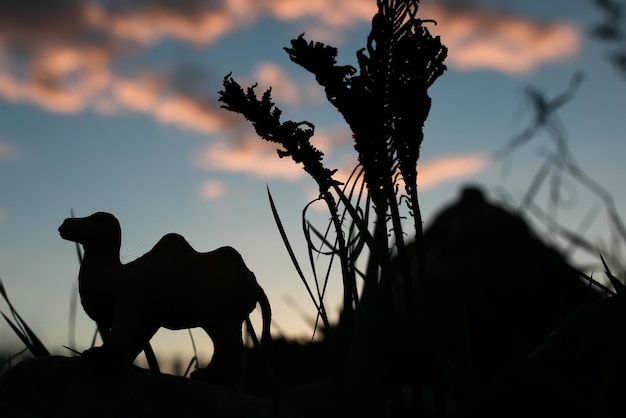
171,286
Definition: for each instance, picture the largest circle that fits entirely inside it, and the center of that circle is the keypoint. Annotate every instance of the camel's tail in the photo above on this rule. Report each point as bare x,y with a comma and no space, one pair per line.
266,313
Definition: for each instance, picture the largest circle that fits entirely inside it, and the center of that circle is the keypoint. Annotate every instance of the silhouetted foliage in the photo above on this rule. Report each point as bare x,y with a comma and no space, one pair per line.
293,136
545,117
385,103
613,31
21,329
559,166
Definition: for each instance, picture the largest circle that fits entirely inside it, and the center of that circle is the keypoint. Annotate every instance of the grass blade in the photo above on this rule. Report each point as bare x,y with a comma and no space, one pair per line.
23,331
195,351
153,364
9,360
194,359
356,218
292,255
73,309
618,285
78,353
79,252
322,238
535,185
16,330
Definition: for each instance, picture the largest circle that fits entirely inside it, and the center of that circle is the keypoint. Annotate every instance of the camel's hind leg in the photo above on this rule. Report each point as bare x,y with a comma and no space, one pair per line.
225,366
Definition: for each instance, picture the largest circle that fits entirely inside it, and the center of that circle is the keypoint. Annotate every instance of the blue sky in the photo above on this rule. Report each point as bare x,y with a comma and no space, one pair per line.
111,107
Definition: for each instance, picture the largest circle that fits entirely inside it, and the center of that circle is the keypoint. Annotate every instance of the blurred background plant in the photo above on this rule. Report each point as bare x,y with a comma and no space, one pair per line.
561,177
613,31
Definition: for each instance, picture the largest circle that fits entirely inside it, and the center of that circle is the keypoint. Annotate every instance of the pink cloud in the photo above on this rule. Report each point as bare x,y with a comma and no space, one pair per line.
487,39
212,190
283,88
59,78
431,173
69,51
10,89
191,113
73,80
329,12
148,22
140,94
477,37
251,156
285,91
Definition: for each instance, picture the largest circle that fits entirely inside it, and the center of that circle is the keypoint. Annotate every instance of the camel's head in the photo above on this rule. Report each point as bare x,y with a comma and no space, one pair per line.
98,231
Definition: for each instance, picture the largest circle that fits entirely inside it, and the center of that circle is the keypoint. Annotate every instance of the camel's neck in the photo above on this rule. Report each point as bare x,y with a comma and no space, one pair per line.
108,257
100,266
98,281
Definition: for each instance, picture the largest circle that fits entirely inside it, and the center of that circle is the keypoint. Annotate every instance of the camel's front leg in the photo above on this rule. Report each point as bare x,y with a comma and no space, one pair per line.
131,330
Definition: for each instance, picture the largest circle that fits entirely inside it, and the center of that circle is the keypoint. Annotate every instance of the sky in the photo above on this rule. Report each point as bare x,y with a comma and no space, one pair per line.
108,105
